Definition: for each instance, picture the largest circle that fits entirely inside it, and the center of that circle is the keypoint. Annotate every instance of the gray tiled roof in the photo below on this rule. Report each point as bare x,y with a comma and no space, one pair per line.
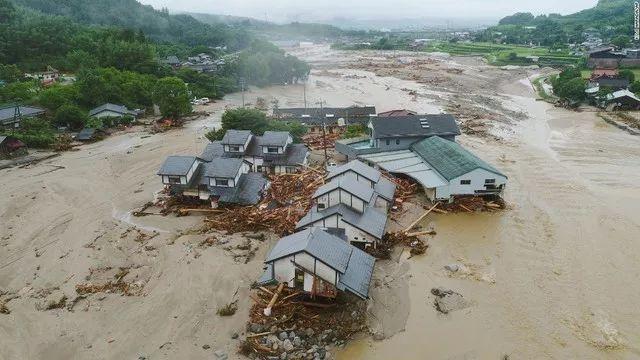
7,113
295,154
348,184
120,109
222,167
400,126
236,137
358,167
274,138
372,221
177,165
358,275
385,188
450,159
330,249
213,150
248,191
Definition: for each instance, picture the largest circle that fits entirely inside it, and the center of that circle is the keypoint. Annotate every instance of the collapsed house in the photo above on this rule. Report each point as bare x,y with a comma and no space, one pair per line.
444,168
219,181
331,117
274,152
90,134
11,147
398,133
320,264
352,205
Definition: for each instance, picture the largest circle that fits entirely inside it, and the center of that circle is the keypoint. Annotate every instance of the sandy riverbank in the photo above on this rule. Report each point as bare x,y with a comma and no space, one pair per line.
552,277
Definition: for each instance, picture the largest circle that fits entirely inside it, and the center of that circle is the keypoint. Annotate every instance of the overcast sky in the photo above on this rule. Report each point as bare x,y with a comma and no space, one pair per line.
310,10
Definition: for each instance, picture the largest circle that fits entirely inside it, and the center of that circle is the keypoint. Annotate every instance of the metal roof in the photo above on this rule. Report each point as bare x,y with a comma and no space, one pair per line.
408,163
236,137
450,159
295,154
222,167
274,138
414,125
385,188
248,191
358,167
372,221
120,109
348,184
358,275
177,165
7,113
329,249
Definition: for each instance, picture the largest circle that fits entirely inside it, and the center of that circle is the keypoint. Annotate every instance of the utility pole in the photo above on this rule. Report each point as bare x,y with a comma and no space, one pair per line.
304,91
324,131
242,84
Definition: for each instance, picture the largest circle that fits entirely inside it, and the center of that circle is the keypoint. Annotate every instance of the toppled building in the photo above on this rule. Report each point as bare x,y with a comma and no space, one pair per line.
320,264
444,168
398,133
353,205
274,152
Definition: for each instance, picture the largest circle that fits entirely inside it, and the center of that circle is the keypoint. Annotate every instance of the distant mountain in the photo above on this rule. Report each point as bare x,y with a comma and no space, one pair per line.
157,24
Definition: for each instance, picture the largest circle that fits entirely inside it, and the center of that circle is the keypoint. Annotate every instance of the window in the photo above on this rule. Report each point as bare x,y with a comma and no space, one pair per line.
234,148
465,182
388,142
174,179
489,181
259,168
320,206
397,141
222,182
290,170
272,149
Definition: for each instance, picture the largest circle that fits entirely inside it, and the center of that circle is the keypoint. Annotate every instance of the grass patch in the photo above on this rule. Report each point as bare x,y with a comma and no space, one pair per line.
229,309
537,84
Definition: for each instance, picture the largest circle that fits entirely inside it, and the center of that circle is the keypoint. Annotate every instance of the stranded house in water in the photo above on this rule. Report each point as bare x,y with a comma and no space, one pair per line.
231,171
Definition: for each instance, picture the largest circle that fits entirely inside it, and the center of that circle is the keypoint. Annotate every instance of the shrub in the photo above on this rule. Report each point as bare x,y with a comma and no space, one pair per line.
71,116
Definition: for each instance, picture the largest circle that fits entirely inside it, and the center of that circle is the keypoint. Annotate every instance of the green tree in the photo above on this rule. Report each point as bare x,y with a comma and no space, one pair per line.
10,73
7,11
572,90
71,116
54,97
635,87
35,132
628,74
172,96
621,41
18,92
521,18
245,119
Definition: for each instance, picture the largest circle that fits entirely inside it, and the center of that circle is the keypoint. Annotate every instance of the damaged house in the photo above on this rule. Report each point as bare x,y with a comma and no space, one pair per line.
353,205
274,152
219,181
393,133
444,168
320,264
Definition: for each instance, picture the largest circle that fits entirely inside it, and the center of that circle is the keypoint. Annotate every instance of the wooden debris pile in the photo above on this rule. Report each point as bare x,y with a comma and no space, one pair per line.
473,204
383,251
117,285
287,200
405,190
318,141
298,325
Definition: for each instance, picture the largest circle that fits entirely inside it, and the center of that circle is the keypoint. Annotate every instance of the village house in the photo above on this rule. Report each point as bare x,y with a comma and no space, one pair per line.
319,264
112,110
90,134
352,205
274,152
398,133
219,181
11,147
47,78
11,116
444,168
620,100
331,117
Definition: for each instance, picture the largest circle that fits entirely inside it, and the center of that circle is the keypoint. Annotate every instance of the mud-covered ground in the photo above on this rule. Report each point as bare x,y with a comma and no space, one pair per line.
554,276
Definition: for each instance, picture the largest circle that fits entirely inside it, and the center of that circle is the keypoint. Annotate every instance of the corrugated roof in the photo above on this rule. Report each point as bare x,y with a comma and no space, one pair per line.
177,165
409,163
236,137
222,167
348,184
325,247
450,159
415,125
358,167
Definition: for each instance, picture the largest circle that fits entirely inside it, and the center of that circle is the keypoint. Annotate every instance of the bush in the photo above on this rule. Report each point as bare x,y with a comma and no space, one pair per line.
354,130
215,135
94,123
229,309
71,116
35,133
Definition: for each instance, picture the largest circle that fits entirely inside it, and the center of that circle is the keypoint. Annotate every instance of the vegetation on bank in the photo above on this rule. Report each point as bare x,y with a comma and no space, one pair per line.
256,121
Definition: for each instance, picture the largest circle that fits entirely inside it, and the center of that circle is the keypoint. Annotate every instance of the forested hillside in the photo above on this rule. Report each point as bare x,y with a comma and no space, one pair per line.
611,18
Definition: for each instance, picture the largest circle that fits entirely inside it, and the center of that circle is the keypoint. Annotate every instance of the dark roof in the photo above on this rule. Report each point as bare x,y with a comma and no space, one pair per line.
222,167
600,50
372,221
348,184
88,134
613,82
7,113
338,112
401,126
450,159
120,109
358,275
248,191
403,112
11,142
294,154
274,138
177,165
236,137
213,150
358,167
385,188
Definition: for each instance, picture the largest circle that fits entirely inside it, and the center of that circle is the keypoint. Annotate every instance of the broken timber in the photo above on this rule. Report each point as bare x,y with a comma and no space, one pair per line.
267,310
421,217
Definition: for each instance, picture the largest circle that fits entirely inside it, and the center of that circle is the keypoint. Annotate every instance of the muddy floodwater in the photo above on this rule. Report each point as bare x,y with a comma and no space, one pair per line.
555,276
